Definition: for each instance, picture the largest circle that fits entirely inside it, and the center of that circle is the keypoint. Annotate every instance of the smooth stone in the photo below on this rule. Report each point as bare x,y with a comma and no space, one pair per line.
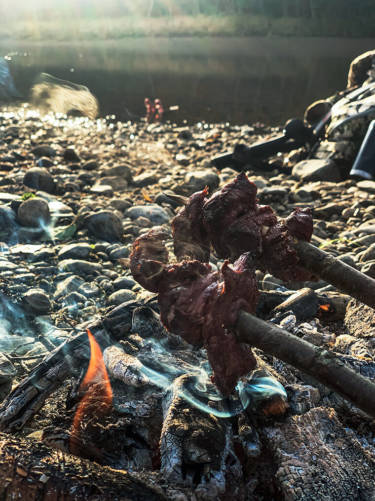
44,162
156,214
116,183
8,197
89,290
74,298
120,204
317,170
34,212
182,159
118,253
105,225
67,285
70,155
37,300
75,251
124,283
90,165
80,267
121,170
39,179
368,186
43,150
368,254
102,189
7,266
7,370
199,179
121,296
145,179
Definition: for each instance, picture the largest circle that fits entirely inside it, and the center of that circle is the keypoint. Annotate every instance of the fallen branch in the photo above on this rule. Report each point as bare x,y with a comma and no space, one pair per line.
316,361
33,471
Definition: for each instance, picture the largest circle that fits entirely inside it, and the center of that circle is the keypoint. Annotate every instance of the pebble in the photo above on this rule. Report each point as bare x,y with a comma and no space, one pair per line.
75,251
121,296
199,179
317,170
80,267
105,225
34,212
39,179
156,214
37,300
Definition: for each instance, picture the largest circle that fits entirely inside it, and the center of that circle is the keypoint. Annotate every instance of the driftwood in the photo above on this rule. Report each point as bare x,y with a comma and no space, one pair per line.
316,361
33,471
343,277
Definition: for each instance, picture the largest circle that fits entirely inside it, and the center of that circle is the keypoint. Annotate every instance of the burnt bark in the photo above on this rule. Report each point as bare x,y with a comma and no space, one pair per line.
33,471
316,361
337,273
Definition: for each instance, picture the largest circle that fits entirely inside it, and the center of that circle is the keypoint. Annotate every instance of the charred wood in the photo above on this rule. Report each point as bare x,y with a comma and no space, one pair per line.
33,471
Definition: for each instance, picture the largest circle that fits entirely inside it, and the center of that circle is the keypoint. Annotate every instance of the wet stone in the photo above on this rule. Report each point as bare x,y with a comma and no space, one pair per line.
67,285
34,212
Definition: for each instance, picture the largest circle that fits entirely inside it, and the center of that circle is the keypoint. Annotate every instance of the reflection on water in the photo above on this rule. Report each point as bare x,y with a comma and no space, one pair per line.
239,80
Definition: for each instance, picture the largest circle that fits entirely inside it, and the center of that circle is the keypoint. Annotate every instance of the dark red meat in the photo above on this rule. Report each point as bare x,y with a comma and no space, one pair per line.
148,259
201,305
236,223
189,235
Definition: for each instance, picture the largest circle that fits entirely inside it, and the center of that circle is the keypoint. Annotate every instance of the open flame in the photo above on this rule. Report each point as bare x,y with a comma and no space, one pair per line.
96,387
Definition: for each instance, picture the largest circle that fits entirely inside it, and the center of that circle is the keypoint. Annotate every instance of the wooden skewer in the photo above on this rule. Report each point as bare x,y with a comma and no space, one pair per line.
337,273
316,361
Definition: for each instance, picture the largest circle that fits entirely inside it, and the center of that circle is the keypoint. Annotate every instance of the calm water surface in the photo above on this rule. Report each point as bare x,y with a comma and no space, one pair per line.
239,80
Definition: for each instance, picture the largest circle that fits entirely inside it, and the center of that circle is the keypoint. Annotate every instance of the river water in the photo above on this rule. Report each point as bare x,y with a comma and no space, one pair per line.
239,80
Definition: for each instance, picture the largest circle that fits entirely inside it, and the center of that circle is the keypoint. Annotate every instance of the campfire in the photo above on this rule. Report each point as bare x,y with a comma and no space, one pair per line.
190,392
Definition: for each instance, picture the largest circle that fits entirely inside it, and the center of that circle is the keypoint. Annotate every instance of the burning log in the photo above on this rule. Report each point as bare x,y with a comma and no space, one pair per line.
33,471
66,360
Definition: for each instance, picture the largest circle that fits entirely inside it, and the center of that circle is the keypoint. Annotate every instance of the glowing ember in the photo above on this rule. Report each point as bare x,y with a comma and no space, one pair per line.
325,307
97,391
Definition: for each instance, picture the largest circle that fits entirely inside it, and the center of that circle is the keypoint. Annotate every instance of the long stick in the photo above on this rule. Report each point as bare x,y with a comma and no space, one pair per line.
323,365
337,273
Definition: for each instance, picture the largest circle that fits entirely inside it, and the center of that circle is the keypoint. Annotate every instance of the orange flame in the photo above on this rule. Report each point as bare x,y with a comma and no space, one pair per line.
96,388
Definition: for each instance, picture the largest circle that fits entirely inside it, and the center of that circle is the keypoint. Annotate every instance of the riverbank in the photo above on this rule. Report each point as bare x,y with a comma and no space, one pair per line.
74,196
202,25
